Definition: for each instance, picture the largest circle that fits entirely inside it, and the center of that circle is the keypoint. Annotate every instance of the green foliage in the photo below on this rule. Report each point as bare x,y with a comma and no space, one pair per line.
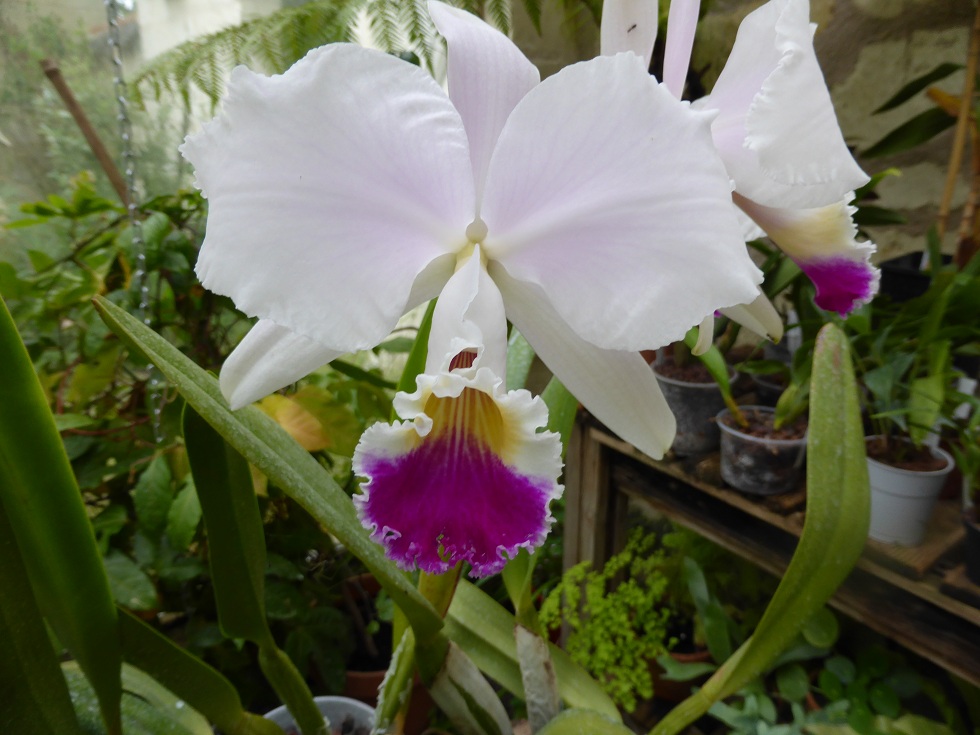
903,352
617,617
823,692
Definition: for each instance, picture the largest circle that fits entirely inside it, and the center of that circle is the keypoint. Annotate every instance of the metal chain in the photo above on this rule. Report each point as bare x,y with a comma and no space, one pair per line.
154,386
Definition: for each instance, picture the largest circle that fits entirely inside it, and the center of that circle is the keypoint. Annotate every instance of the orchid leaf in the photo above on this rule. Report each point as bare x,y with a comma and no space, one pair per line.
921,128
147,707
485,631
396,684
35,699
918,84
263,443
188,677
51,528
833,536
236,540
577,721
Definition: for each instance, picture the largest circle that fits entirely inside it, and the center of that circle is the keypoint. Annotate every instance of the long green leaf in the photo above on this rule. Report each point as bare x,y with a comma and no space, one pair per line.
918,84
520,357
580,722
274,452
921,128
52,530
236,541
415,363
834,531
485,631
187,676
35,699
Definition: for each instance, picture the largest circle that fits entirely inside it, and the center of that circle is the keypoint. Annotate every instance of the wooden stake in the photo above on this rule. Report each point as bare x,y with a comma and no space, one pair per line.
53,73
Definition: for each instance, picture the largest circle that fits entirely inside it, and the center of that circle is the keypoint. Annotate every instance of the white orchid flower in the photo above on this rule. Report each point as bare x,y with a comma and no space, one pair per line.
778,135
589,209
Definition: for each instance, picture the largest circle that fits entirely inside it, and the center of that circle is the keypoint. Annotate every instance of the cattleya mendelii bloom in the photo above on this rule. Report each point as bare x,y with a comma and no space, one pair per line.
778,135
590,209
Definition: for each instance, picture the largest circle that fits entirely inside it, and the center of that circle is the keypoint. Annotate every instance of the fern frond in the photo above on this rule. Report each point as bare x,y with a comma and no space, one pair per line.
275,42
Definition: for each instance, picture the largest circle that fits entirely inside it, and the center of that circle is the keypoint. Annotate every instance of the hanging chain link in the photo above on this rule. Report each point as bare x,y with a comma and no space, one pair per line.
154,387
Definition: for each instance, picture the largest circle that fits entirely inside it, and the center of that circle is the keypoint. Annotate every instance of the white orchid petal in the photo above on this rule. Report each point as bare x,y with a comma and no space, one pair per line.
336,183
269,358
760,316
777,129
488,76
629,25
622,213
682,22
823,242
618,387
469,315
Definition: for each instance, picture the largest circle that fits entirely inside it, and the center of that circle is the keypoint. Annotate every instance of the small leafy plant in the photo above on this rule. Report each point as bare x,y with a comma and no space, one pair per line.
617,617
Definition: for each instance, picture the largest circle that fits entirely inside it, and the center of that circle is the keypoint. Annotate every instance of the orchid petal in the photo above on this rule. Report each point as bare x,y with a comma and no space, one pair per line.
823,243
682,22
623,213
760,316
488,76
629,25
469,315
333,184
777,130
617,387
270,357
467,477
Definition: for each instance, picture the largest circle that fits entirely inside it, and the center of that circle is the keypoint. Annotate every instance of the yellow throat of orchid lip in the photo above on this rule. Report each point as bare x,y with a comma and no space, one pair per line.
471,416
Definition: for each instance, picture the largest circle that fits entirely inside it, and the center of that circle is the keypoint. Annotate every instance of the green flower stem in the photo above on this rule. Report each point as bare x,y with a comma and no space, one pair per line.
439,588
292,690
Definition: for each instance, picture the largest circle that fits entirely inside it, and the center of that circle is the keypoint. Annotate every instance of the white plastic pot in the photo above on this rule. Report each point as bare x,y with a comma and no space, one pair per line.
335,709
902,501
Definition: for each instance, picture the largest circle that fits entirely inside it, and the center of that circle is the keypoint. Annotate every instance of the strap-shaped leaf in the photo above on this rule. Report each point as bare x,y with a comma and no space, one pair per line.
56,541
268,447
187,676
834,531
35,699
578,722
236,540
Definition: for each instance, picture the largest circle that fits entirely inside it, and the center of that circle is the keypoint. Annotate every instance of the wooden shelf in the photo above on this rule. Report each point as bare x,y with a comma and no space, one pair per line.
913,596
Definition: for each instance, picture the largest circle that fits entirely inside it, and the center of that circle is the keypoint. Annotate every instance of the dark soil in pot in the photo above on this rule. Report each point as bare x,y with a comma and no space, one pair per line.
692,371
759,459
903,454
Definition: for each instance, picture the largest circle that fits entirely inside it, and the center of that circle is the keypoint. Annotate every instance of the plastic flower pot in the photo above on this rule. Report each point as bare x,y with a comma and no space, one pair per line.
902,500
755,463
695,406
345,715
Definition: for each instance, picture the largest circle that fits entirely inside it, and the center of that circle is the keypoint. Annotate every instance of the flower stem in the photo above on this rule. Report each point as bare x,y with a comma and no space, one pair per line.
291,688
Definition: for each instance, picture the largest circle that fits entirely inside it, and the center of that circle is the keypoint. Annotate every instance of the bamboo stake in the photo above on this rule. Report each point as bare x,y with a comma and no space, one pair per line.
53,73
